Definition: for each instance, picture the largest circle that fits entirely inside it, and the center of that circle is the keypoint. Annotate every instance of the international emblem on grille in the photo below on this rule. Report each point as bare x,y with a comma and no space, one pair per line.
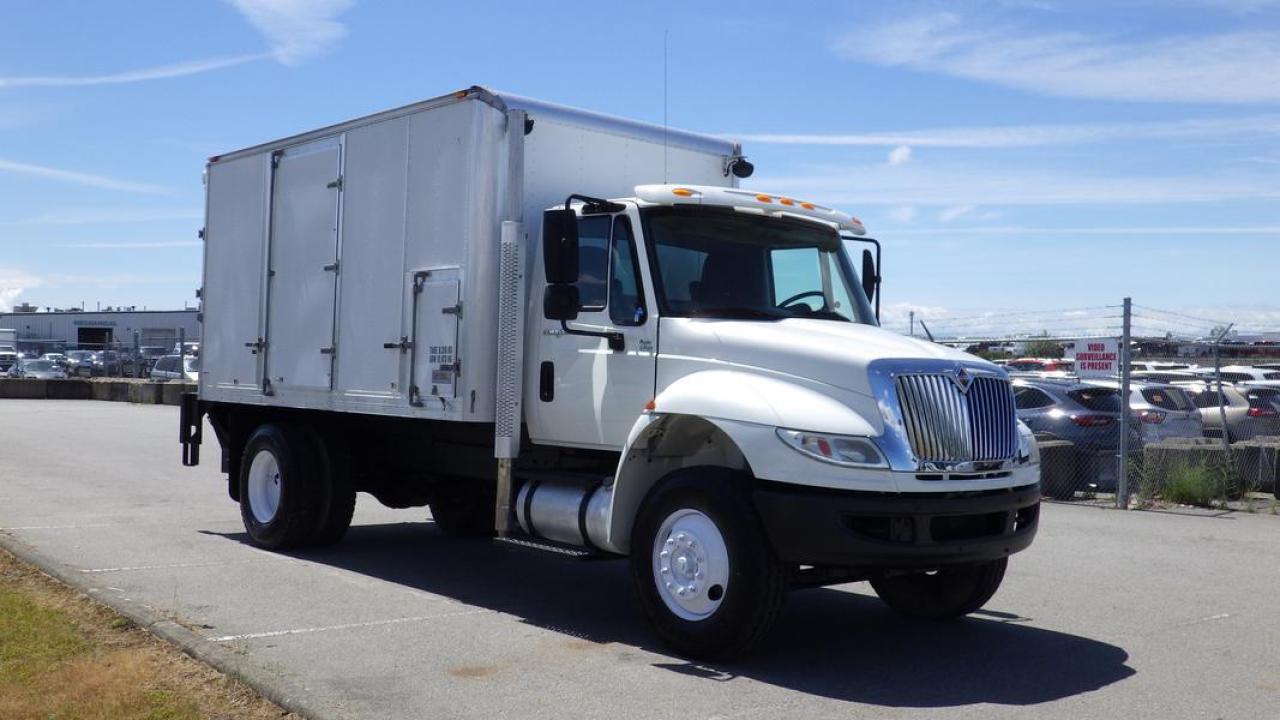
962,380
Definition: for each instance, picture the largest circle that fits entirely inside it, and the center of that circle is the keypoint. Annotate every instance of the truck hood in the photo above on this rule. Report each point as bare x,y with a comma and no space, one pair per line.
825,351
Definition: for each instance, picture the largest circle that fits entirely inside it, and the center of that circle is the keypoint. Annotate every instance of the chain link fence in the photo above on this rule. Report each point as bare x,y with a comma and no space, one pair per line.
1199,426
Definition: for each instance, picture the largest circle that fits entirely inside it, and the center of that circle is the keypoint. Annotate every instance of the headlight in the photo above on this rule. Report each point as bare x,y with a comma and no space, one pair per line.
834,449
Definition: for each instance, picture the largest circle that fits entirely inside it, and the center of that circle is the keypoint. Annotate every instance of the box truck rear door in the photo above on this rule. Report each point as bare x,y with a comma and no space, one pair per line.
302,267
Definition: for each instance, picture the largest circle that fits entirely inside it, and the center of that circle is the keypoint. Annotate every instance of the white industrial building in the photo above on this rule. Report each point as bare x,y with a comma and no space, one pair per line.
95,330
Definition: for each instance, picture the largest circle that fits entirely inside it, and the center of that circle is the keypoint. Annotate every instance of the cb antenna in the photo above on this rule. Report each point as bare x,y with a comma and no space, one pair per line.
664,105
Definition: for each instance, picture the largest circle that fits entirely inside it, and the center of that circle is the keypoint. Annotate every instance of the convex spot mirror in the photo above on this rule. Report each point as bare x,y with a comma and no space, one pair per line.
560,246
560,302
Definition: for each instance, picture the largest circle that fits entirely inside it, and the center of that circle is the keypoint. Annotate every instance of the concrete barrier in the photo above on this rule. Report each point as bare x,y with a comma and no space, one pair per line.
1057,468
140,391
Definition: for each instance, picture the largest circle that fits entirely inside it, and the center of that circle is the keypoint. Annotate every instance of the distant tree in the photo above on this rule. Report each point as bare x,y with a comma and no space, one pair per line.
1044,348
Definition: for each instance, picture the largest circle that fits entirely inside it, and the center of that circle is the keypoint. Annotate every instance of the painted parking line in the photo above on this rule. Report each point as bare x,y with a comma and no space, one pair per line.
168,566
61,527
345,626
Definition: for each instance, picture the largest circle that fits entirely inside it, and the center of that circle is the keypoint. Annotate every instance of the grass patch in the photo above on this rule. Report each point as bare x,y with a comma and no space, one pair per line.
1188,484
63,655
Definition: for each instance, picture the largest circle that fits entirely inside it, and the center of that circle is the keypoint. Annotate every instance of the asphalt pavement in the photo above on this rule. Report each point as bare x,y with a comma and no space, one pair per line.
1109,614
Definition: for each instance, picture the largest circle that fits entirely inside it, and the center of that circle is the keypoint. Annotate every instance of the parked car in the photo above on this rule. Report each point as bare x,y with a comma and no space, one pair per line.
1041,365
1159,366
1164,376
147,356
54,357
80,363
107,363
1239,373
1163,411
1085,414
41,370
177,367
1246,418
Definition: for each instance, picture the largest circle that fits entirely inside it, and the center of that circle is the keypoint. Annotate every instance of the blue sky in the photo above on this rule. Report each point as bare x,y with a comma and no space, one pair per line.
1013,156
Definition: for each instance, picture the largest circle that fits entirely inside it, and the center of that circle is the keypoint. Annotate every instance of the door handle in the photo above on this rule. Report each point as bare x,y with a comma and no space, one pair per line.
403,345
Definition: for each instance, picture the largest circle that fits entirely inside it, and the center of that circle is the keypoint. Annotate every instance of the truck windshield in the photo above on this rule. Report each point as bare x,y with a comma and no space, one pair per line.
714,262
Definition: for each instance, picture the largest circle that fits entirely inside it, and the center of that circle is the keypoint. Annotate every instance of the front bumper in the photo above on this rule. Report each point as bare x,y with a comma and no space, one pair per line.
856,529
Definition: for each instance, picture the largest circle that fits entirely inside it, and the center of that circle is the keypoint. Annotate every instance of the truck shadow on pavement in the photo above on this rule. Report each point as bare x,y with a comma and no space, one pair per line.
840,643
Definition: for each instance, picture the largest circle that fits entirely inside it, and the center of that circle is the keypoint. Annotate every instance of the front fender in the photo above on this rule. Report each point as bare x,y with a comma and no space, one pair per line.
729,418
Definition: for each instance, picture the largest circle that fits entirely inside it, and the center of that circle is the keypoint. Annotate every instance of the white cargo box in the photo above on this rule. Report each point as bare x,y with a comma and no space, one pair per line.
355,267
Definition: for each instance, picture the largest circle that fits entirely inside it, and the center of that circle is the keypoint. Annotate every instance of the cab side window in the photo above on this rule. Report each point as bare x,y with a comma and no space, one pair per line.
626,297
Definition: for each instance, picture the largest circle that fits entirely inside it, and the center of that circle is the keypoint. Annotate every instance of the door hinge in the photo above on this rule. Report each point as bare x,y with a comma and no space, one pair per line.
328,350
454,310
256,345
275,158
336,183
332,267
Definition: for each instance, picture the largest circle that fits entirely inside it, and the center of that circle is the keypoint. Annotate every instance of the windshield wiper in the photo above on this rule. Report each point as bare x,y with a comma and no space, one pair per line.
734,312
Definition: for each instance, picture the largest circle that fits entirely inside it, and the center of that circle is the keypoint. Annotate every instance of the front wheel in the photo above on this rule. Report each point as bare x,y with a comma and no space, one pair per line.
702,566
943,594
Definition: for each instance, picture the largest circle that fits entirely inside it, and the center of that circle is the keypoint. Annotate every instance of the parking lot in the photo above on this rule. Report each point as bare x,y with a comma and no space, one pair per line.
1109,614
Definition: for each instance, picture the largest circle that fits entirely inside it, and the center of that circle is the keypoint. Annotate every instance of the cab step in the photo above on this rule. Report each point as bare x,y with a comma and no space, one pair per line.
524,542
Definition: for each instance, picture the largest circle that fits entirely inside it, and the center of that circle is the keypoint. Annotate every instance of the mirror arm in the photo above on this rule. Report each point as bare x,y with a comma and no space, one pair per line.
594,205
615,338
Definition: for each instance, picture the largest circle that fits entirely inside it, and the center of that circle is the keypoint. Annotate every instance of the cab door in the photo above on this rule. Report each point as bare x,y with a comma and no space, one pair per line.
587,394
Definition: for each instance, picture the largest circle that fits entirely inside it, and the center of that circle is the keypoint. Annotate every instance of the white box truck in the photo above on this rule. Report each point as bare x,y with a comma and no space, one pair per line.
576,333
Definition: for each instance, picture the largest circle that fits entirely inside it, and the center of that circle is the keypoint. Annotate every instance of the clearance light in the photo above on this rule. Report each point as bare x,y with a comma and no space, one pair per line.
747,201
651,405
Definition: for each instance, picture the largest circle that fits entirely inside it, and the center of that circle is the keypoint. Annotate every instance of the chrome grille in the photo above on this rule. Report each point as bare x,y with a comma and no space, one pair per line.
946,425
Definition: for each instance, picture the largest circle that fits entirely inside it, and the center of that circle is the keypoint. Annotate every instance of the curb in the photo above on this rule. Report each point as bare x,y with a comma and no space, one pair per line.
218,656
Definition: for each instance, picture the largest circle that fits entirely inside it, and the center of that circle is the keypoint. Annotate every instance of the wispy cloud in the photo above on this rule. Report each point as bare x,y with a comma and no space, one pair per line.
1238,230
1016,136
80,216
903,213
14,282
955,212
159,72
900,155
133,245
983,184
1230,67
79,178
297,29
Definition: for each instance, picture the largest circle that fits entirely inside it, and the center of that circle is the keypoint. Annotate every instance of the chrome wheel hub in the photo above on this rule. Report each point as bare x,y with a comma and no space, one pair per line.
690,564
264,486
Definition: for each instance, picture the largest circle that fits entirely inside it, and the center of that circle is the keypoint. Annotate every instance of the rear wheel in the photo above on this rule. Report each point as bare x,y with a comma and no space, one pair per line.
464,508
278,492
337,492
949,592
702,567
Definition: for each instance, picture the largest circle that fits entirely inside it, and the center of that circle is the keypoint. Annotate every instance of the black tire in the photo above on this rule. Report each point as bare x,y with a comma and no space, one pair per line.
464,508
757,581
948,593
294,521
337,492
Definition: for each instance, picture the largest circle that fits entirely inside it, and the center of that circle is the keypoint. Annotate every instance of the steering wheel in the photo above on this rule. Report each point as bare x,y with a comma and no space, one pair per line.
801,296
